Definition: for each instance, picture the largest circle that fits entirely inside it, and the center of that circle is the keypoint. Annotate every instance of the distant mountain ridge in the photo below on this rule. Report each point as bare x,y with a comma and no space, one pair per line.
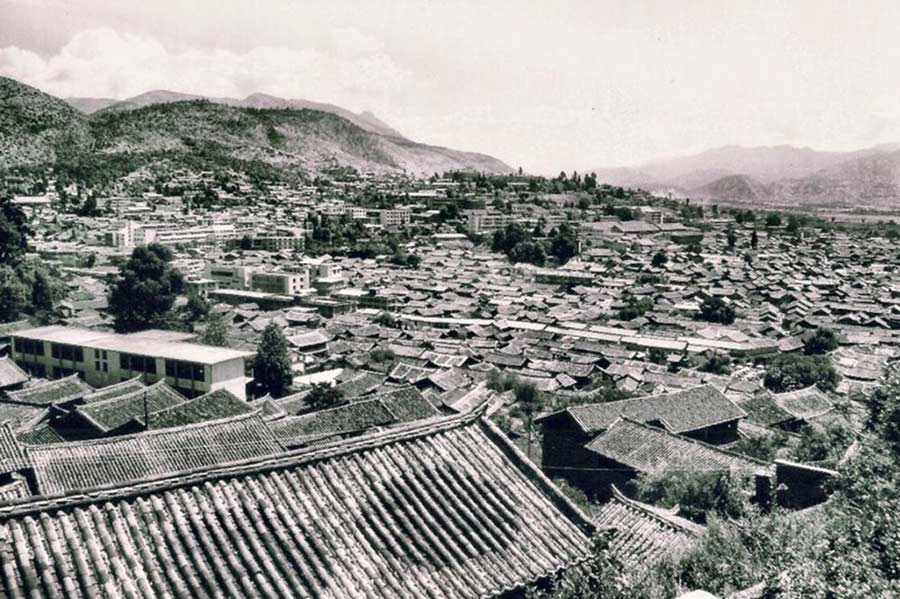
289,136
365,120
866,177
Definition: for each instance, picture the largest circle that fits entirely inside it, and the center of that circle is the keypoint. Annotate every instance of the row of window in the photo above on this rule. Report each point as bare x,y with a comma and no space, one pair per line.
137,363
67,352
29,346
185,370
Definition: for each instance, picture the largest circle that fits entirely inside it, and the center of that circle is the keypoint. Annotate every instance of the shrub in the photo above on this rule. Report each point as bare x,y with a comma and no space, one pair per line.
790,372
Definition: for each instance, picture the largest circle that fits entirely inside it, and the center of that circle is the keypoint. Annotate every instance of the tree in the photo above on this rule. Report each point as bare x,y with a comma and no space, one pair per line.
754,239
528,403
272,366
145,290
197,308
659,259
731,237
820,341
216,331
790,372
773,219
323,395
657,355
793,224
14,233
13,294
716,363
528,251
824,446
564,244
89,208
42,293
715,309
634,308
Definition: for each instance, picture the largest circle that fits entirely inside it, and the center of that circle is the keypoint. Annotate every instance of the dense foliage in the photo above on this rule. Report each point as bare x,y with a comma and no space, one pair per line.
144,292
272,366
789,372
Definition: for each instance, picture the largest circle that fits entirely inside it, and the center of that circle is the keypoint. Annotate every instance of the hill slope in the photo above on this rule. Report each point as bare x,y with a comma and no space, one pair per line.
364,120
34,126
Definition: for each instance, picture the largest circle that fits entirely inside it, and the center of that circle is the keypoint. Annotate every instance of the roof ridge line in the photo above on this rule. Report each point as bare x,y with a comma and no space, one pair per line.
239,468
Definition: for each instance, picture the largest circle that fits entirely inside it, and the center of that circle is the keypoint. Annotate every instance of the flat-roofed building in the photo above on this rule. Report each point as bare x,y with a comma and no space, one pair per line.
102,358
283,283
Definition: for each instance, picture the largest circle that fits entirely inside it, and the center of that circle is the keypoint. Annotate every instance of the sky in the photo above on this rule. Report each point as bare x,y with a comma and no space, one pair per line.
545,85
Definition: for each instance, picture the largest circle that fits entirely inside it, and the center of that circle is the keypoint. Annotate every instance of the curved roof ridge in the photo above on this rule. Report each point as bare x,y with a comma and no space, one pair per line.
681,523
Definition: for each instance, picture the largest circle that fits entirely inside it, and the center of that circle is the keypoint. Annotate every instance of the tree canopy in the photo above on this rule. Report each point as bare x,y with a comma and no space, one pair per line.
145,290
272,366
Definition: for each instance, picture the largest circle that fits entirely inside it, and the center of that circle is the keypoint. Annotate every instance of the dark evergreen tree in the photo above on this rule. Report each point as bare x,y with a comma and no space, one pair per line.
272,366
145,290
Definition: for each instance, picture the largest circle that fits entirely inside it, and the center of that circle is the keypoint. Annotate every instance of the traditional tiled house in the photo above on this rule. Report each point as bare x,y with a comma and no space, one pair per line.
445,509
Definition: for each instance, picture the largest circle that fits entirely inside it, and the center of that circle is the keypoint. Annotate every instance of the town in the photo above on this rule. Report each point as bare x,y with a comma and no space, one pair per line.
476,377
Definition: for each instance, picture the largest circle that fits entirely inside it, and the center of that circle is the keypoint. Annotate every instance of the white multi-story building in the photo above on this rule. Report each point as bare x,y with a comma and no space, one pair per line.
102,359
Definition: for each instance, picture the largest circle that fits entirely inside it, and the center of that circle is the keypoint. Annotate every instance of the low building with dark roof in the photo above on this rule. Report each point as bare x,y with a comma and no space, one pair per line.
64,468
701,412
629,448
448,509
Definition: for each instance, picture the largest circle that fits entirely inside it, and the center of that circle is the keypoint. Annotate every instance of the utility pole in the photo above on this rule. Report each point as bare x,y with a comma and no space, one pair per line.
146,416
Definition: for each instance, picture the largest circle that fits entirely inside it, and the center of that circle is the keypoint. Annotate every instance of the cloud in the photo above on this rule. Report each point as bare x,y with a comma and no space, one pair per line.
108,63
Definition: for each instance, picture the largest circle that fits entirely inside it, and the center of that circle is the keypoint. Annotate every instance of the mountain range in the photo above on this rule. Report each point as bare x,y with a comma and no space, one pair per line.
295,136
783,174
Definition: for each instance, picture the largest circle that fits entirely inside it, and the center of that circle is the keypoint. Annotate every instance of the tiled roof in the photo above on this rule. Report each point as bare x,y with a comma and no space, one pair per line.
681,411
117,390
10,374
406,404
397,406
648,449
41,434
362,383
12,457
66,467
110,414
46,393
643,534
215,405
348,418
803,403
447,510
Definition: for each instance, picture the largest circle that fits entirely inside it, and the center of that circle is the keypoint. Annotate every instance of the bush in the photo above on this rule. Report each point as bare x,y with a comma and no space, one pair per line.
716,363
323,395
761,448
714,309
790,372
696,493
820,341
823,446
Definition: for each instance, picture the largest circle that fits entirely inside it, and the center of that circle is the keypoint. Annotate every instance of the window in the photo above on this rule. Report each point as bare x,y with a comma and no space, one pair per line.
137,363
29,346
184,370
